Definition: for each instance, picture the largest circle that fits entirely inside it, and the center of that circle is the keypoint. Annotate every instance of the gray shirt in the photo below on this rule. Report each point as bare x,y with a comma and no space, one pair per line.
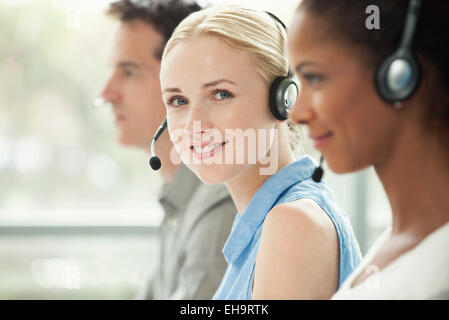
198,220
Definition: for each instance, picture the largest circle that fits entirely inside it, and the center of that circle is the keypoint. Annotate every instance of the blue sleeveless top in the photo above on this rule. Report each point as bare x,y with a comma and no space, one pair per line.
289,184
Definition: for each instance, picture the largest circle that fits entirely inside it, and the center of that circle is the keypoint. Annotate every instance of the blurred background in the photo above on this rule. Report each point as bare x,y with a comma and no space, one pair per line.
78,212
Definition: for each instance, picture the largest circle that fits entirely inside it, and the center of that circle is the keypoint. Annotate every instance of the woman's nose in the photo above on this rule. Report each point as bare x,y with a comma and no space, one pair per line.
302,111
198,121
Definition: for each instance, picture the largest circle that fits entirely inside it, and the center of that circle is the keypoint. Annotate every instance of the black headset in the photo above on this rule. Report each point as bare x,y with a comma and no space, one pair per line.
284,89
283,95
398,76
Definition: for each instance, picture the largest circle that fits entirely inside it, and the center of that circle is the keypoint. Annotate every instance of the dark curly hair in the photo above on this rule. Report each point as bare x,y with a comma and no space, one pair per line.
344,21
163,15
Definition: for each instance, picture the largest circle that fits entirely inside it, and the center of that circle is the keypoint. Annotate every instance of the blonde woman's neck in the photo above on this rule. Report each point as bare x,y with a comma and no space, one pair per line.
245,185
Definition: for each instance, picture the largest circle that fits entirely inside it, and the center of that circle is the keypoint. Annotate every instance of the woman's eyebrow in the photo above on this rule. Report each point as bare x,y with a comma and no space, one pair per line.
172,90
215,82
303,64
204,86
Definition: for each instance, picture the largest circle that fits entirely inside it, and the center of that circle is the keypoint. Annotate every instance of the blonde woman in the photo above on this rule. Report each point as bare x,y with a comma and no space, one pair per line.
290,240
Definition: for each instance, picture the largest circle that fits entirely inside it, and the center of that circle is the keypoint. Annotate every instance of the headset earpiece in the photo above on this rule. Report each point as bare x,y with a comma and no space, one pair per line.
398,76
284,90
283,95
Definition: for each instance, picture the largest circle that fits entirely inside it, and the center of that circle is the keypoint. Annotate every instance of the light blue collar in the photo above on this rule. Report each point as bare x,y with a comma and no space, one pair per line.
261,203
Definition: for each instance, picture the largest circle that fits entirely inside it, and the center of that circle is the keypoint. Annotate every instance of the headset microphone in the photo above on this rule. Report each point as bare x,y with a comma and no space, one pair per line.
317,174
155,162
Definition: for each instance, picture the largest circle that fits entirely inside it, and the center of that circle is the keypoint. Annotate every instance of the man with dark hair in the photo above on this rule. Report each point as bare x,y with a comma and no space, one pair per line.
198,218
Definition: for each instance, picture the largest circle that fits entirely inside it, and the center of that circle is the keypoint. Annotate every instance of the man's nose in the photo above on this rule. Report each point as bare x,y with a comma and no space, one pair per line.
110,91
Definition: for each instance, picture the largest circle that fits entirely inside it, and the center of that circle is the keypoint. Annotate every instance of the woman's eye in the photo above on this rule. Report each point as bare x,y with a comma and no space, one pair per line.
177,101
313,78
222,94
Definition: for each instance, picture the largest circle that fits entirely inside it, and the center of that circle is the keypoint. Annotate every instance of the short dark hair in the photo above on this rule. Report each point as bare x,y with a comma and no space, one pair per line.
344,21
163,15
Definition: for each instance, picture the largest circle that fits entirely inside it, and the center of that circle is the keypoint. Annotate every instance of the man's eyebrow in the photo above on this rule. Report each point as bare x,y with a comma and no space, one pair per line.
127,64
303,64
215,82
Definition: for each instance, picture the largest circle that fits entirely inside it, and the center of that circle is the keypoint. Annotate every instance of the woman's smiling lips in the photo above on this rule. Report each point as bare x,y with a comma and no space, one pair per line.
319,139
206,151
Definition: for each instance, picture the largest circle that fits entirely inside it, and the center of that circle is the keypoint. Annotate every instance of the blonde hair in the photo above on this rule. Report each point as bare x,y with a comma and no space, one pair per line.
255,32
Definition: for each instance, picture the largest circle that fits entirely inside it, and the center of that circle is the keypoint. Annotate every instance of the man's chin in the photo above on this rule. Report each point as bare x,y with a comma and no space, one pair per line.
127,141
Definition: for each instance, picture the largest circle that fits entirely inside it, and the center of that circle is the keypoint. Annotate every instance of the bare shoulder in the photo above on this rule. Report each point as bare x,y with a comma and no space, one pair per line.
298,253
305,216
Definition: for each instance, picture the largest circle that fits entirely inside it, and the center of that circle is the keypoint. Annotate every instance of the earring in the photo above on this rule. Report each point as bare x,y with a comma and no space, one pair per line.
398,105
